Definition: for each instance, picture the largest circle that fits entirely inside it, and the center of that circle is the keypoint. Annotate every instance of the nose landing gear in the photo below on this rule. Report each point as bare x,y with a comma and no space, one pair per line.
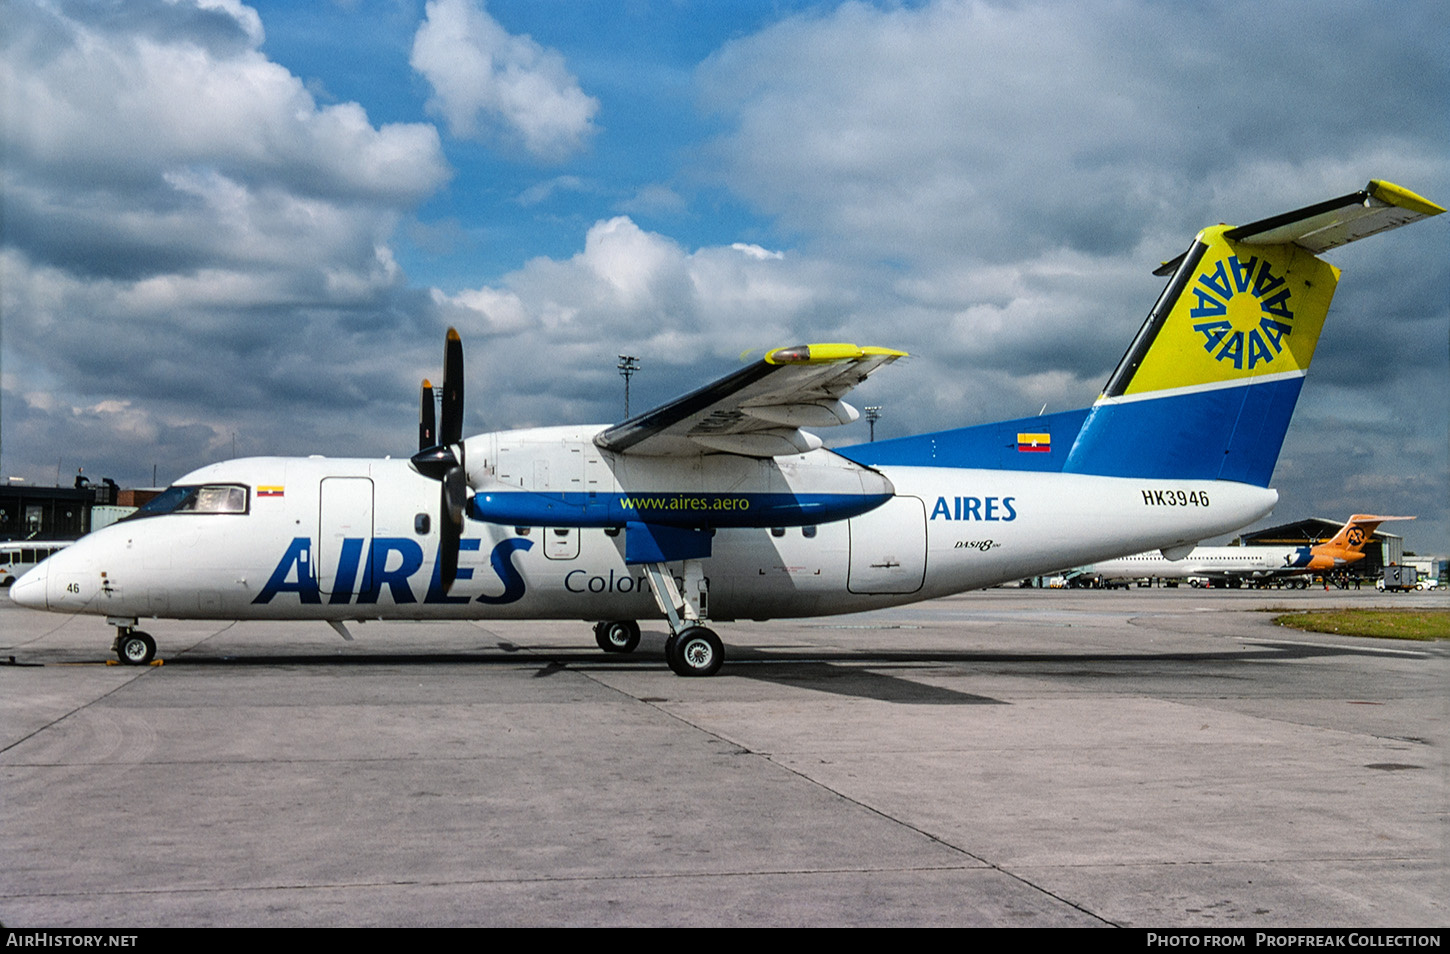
133,647
617,635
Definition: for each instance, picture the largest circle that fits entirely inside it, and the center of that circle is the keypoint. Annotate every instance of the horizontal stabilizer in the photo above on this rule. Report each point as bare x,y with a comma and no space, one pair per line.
1379,207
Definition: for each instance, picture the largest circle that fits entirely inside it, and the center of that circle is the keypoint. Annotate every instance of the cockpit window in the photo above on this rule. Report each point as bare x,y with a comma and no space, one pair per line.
205,498
217,499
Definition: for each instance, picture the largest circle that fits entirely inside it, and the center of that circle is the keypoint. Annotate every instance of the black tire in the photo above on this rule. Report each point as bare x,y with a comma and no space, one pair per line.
617,636
696,651
136,649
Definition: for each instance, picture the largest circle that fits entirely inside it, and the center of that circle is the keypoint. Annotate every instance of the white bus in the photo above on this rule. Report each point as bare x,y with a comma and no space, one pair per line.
17,556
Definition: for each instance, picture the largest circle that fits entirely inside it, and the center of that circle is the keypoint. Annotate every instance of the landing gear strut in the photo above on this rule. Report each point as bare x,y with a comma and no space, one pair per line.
693,649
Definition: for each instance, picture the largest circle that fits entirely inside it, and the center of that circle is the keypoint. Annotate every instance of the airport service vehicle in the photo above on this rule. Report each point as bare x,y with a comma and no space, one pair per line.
19,556
1235,566
1399,579
721,505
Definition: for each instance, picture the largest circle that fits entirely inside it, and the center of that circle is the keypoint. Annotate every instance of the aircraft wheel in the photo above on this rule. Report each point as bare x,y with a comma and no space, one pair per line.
696,651
617,636
136,648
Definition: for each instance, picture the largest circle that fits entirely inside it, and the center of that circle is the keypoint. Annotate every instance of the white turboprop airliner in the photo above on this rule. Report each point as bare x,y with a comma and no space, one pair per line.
720,506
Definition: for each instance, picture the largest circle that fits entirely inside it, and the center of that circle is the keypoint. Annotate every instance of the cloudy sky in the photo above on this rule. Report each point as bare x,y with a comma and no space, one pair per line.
247,227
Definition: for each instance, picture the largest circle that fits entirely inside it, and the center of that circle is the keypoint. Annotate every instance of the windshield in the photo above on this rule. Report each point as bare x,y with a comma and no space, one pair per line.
204,498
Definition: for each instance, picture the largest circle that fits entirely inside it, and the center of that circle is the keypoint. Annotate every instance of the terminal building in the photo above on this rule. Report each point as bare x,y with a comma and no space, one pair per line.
28,512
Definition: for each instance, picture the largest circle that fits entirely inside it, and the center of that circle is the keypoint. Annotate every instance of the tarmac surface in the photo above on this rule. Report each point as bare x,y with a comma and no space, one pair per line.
1148,758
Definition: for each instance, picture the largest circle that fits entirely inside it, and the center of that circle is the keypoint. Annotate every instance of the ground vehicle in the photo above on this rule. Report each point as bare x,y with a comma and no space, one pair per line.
18,556
1399,579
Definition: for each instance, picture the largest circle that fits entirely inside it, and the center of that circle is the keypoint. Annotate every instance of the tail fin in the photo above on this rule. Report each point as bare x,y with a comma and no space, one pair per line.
1208,386
1352,537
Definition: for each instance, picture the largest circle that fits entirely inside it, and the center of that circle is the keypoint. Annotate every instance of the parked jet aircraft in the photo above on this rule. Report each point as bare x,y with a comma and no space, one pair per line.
720,506
1234,566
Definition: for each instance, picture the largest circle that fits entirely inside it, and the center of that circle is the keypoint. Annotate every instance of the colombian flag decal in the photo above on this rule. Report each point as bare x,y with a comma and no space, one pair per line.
1034,443
269,491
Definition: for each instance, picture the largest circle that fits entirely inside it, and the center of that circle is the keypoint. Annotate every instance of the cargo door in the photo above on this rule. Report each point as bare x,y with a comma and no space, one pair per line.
888,548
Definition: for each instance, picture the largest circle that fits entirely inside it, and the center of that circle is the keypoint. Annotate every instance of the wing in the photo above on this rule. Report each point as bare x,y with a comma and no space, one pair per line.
759,410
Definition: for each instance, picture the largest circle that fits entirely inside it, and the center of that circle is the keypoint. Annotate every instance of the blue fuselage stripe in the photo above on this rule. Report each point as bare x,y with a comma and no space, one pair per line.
667,508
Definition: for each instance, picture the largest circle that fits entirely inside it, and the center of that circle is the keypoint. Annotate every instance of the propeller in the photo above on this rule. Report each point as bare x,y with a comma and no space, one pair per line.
427,425
444,461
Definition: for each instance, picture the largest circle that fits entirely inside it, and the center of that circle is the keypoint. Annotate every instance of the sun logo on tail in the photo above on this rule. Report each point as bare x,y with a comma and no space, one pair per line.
1243,312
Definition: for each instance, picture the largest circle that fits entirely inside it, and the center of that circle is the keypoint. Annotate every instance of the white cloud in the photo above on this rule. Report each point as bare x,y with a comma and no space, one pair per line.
488,84
755,251
984,131
185,227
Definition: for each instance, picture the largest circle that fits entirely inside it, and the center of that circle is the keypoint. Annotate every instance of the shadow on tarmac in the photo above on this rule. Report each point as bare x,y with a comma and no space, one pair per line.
845,673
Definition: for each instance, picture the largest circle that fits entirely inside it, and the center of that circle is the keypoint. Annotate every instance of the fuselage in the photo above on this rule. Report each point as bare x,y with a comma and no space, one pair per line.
356,539
1227,562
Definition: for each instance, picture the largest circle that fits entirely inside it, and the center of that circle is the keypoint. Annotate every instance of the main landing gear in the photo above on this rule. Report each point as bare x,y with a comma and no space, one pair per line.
133,647
693,649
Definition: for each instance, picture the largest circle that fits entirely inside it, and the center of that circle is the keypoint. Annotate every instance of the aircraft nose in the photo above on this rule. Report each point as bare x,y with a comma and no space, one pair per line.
29,590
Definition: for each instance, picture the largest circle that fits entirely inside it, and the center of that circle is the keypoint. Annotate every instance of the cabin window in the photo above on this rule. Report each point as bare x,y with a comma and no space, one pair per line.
808,532
777,531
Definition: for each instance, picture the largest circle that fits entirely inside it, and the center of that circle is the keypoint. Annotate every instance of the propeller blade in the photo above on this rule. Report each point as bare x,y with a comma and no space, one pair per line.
453,499
440,456
427,424
450,429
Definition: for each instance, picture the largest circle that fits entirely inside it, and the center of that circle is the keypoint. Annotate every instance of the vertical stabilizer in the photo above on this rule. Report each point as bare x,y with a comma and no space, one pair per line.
1207,388
1352,537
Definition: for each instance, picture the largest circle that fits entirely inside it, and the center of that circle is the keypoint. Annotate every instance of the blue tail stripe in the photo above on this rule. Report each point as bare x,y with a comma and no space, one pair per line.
983,447
1257,439
1226,434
